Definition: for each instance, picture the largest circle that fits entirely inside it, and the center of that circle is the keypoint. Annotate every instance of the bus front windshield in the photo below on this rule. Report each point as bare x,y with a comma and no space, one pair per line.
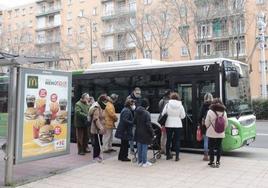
238,100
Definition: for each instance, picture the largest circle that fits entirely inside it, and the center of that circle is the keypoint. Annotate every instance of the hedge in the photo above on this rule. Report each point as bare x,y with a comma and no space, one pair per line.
260,107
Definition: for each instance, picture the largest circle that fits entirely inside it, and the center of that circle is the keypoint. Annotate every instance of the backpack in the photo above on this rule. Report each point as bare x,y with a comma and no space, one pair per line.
219,123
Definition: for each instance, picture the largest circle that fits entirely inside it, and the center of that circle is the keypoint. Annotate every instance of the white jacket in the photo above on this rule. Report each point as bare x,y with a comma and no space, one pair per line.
175,112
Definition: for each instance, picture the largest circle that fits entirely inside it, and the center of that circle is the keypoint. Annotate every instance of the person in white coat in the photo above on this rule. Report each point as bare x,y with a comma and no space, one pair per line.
175,113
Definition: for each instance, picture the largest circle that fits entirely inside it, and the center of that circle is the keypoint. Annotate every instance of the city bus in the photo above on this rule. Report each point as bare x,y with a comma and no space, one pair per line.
224,78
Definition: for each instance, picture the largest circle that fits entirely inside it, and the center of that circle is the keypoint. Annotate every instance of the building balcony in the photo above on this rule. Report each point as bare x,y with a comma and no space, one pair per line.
48,11
47,41
120,29
48,27
219,35
118,13
222,54
220,12
118,48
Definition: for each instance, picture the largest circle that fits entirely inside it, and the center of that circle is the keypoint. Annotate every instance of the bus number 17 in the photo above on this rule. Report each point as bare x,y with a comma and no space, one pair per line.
206,67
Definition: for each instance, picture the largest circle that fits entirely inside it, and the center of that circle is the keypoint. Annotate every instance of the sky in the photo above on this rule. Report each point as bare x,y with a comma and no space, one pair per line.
13,3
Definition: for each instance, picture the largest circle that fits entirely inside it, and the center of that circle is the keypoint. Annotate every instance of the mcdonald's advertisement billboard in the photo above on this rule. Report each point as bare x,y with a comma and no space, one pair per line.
43,124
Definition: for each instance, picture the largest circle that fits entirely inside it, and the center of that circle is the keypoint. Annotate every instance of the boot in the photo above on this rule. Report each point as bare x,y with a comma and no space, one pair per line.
205,158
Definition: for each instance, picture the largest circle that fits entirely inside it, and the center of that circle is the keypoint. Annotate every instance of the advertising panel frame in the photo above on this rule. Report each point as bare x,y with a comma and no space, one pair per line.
20,114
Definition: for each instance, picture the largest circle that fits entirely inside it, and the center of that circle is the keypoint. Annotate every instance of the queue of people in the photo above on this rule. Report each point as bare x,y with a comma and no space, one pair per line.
98,119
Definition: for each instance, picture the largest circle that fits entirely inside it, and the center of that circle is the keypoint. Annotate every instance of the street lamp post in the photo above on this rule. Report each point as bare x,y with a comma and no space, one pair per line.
261,26
91,45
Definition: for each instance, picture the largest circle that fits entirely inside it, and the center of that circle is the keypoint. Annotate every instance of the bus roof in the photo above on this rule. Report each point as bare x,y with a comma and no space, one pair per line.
140,64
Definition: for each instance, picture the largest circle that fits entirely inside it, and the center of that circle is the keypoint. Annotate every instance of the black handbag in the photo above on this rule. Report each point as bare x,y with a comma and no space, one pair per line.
162,118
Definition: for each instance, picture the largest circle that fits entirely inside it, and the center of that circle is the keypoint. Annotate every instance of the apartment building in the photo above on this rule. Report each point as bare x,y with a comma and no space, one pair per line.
109,30
17,31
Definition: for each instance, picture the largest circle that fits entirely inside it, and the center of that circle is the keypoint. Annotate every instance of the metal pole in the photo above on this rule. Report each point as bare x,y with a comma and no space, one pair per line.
12,93
91,49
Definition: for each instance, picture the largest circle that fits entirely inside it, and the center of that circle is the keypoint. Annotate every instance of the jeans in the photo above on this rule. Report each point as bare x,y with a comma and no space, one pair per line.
177,133
205,144
142,153
214,144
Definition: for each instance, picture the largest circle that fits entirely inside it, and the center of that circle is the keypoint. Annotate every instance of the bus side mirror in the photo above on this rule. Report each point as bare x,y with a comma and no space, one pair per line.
234,79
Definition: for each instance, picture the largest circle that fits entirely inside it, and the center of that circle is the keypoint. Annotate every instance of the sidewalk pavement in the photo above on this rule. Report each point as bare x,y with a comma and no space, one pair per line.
35,170
190,171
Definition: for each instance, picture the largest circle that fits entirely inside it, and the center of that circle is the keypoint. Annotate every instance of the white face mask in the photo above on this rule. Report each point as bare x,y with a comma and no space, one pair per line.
133,107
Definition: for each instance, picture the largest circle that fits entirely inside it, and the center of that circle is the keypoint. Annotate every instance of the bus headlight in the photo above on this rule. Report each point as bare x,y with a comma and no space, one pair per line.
234,131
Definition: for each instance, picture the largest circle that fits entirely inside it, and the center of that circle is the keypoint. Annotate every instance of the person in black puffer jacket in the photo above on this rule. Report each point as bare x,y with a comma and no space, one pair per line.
208,98
144,132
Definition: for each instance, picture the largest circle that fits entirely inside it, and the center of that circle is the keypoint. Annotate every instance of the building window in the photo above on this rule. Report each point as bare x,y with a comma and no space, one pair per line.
204,49
94,27
16,13
9,14
183,11
69,15
31,10
94,11
132,5
204,30
239,47
81,61
238,4
23,12
108,8
148,54
82,29
260,2
184,51
81,45
94,43
110,58
147,36
164,53
147,2
266,66
69,31
238,25
94,59
146,18
81,13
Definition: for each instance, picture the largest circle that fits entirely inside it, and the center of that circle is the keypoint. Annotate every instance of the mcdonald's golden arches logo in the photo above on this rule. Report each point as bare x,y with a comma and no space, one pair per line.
32,82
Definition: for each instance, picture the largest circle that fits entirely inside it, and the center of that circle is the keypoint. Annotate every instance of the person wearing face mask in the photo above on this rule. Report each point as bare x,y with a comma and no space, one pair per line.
97,129
81,124
124,129
136,96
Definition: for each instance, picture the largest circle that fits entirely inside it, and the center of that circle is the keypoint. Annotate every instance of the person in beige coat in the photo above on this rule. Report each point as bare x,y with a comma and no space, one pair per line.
215,139
97,128
110,119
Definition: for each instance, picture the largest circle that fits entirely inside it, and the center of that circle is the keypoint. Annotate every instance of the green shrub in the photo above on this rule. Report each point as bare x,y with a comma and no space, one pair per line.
260,107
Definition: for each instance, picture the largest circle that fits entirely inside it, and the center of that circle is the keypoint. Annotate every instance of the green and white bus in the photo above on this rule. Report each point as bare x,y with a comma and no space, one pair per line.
224,78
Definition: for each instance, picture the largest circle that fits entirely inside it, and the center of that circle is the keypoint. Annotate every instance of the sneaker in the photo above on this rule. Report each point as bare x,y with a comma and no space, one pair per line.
147,164
169,157
140,164
211,164
132,152
217,164
126,160
98,159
